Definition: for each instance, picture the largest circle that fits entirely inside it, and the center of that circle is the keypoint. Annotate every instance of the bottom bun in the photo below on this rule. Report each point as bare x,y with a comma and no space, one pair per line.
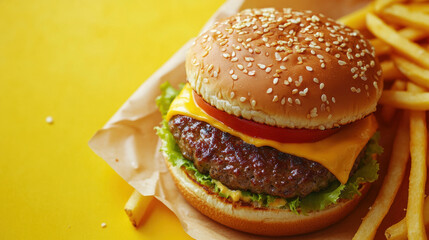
260,221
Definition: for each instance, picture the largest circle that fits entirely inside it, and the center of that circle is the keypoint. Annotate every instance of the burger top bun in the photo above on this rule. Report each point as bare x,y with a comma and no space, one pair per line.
286,68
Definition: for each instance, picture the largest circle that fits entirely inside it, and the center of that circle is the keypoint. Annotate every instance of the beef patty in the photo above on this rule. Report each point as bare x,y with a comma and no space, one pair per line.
243,166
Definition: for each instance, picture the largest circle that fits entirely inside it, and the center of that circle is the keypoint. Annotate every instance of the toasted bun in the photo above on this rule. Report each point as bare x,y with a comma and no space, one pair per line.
260,221
286,68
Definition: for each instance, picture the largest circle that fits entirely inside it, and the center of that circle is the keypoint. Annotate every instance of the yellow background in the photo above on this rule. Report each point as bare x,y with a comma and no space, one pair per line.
78,61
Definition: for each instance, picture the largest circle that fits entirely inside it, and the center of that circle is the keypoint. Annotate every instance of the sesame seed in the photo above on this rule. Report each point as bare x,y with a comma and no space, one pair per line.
275,98
226,55
375,85
239,66
215,73
233,76
253,102
275,81
205,53
283,101
242,99
286,82
333,99
103,225
315,80
297,101
251,73
232,95
278,57
235,59
261,66
341,62
303,92
249,59
294,91
310,69
289,100
269,90
323,98
231,71
250,64
337,55
319,56
322,65
49,119
210,68
321,86
282,67
268,69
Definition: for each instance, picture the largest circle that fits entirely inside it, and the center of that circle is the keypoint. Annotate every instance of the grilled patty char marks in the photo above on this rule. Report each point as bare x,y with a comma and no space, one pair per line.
243,166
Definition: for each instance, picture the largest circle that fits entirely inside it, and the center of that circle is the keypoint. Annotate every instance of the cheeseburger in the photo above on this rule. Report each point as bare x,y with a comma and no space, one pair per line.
273,133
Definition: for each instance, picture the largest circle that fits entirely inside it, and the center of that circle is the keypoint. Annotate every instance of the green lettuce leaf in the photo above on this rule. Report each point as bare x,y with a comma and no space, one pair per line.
367,170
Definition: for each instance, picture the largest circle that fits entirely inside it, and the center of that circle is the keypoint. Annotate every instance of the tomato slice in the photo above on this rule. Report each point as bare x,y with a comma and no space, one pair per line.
263,131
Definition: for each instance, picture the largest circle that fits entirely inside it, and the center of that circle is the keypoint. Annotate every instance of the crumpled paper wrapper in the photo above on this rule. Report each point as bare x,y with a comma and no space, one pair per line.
128,142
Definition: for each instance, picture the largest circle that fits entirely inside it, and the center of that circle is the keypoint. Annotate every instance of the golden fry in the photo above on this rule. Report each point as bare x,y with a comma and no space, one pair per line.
387,112
136,206
391,183
405,100
402,15
416,189
419,7
408,33
413,72
357,19
390,71
379,5
399,43
399,230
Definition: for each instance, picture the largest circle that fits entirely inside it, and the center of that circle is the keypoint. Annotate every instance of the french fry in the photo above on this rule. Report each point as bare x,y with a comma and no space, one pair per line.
405,100
408,33
398,231
413,72
379,5
401,14
390,71
357,19
136,207
380,47
419,7
391,183
416,189
401,44
387,112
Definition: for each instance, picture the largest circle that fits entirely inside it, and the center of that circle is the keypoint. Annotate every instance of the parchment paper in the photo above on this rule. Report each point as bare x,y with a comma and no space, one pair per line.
129,145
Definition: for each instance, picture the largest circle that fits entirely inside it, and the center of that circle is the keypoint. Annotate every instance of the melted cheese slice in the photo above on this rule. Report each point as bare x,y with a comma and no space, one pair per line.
337,152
